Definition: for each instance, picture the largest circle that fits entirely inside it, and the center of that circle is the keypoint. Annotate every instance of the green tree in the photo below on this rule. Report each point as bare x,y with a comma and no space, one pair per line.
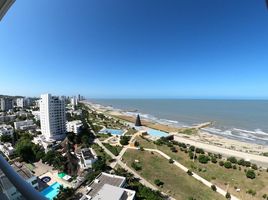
250,174
24,149
214,188
158,182
232,159
124,140
228,195
228,164
6,138
136,166
203,159
64,193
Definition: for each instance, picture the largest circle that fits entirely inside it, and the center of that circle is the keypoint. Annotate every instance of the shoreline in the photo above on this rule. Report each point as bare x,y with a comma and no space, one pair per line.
201,136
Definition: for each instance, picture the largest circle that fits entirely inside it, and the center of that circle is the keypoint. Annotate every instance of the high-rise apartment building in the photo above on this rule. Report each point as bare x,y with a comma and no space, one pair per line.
52,117
6,103
20,102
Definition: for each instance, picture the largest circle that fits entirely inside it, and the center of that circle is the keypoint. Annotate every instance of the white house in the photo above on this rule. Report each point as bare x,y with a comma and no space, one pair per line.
24,125
47,144
7,149
36,115
108,186
86,158
74,126
6,130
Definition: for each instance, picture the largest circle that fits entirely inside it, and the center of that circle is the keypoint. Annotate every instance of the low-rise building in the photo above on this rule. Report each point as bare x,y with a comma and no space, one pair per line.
9,190
108,187
36,115
74,126
47,144
7,149
6,130
7,118
86,158
24,125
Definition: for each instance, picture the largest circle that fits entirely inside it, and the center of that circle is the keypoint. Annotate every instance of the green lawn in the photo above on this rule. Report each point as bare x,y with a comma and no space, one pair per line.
114,149
220,176
177,183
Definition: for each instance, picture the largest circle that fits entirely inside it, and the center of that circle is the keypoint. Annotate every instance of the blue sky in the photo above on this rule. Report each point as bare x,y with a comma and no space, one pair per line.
136,48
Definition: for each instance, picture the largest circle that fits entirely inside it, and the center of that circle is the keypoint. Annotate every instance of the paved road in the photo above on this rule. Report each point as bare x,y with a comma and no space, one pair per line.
199,178
259,160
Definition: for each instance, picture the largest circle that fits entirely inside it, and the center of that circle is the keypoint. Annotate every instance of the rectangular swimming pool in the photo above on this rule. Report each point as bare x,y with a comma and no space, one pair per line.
51,191
112,131
157,133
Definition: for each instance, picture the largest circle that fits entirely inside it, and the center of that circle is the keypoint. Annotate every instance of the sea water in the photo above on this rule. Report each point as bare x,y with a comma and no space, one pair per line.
244,120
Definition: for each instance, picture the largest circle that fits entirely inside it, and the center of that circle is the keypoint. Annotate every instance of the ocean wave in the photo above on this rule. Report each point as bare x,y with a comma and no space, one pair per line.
256,136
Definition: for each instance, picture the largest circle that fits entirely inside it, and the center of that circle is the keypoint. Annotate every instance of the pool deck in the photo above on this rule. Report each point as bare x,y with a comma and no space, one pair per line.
54,178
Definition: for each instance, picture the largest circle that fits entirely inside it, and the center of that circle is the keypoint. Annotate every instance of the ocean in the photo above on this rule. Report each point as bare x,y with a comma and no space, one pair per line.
244,120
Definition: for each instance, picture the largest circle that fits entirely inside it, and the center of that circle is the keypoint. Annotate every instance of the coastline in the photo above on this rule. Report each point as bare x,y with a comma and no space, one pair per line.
201,136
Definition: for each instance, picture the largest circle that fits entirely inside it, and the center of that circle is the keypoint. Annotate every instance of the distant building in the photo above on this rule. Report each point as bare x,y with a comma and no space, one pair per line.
7,118
9,190
6,103
7,149
20,102
52,117
79,97
74,126
86,158
74,102
24,125
6,130
107,186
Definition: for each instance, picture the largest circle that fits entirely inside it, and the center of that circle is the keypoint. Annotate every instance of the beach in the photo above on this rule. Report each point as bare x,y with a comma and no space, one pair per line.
201,138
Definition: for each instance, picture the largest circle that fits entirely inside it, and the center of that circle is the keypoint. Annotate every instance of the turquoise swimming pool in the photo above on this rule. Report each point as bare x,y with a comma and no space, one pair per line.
112,131
157,133
51,191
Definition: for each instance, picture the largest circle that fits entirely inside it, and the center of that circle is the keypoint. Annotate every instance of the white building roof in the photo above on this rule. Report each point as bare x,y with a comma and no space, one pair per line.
110,192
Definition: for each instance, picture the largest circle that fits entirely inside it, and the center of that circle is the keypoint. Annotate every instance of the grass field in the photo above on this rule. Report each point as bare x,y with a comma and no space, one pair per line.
177,183
222,177
114,149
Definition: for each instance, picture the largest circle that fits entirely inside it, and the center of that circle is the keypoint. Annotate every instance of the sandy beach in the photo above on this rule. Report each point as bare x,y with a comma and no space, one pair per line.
202,139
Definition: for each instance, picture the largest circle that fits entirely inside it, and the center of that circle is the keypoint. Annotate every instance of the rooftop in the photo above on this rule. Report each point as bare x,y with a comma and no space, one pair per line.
87,153
24,172
109,192
105,178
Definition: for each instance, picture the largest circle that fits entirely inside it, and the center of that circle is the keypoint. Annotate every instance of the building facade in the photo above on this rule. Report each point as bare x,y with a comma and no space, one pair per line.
24,125
74,126
52,117
87,158
20,102
6,104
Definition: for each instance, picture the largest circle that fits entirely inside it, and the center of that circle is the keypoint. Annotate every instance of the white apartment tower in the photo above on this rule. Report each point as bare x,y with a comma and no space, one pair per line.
52,117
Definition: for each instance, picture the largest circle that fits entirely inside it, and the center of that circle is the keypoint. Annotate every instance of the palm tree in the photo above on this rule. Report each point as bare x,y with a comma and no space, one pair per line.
64,193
